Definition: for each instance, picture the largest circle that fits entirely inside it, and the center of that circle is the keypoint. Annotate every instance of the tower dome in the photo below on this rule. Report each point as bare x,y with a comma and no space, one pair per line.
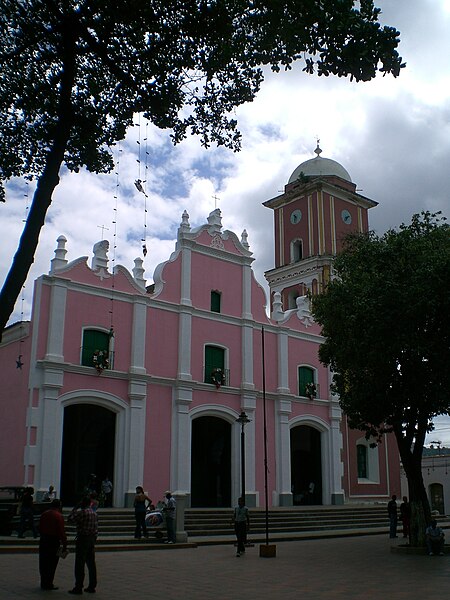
317,167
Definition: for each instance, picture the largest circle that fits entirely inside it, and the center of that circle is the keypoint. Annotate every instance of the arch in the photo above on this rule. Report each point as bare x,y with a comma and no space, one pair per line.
120,409
296,250
436,495
372,463
320,447
211,441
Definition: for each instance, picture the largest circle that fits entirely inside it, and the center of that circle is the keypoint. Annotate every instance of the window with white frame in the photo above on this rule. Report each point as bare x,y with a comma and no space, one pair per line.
296,250
367,461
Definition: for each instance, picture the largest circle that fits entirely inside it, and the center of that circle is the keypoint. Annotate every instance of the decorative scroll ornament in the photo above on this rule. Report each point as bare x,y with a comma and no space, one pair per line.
218,377
100,360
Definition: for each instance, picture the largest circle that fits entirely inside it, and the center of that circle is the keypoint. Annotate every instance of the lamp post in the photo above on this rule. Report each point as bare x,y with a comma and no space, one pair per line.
243,420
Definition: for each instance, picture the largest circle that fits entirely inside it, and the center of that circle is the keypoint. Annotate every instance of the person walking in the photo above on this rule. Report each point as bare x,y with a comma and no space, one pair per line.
53,536
405,516
141,503
86,522
241,521
170,510
392,513
107,488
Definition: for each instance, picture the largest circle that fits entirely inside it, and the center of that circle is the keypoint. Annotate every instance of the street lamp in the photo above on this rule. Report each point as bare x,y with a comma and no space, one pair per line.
243,420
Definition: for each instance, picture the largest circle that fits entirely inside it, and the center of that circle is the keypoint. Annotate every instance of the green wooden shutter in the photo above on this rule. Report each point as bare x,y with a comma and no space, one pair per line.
361,455
214,359
305,376
93,340
215,301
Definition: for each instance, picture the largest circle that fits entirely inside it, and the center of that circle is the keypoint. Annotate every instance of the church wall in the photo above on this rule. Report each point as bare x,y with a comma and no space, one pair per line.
210,273
220,333
13,410
161,342
271,359
171,274
258,301
157,441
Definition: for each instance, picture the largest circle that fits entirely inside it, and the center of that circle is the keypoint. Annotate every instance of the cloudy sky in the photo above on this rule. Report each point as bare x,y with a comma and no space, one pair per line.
392,136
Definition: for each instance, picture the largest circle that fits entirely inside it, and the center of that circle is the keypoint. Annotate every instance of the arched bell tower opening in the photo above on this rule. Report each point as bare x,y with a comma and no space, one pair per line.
210,462
306,465
89,433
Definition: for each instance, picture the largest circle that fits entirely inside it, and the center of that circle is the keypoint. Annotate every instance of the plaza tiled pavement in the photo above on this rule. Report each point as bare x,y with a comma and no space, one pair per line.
342,568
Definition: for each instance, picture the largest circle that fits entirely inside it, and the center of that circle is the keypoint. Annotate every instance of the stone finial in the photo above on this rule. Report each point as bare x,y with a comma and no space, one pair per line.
138,273
100,259
185,221
277,307
59,262
215,221
244,239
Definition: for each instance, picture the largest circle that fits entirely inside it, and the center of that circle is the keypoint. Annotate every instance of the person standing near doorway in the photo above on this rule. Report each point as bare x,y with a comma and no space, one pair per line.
86,522
241,521
170,511
53,535
107,488
141,503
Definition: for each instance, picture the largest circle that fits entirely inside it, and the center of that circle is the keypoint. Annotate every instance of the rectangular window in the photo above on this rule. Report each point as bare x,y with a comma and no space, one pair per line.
93,341
361,456
215,301
214,359
305,377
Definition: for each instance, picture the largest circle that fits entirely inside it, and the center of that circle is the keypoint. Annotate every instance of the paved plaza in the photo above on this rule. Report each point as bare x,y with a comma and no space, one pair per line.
347,568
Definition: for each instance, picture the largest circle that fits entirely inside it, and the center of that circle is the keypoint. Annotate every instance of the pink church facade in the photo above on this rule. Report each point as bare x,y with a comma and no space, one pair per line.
146,383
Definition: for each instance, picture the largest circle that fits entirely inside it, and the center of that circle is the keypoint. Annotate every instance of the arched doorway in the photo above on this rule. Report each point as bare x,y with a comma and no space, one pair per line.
437,497
210,462
306,465
88,448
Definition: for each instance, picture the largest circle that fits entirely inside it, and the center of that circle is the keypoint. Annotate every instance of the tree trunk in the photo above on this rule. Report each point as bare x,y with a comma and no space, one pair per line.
24,257
42,198
420,507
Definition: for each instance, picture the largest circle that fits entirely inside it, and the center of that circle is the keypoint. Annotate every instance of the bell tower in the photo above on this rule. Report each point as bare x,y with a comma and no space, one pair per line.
319,207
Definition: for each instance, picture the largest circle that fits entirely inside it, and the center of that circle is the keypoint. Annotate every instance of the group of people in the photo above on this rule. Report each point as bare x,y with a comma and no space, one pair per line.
53,544
143,507
434,535
405,516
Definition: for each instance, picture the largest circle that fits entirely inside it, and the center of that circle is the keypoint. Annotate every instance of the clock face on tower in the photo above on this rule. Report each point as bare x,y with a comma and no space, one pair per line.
346,217
296,216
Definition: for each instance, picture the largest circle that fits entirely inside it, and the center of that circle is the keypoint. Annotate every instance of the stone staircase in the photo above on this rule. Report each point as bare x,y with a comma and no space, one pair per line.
213,526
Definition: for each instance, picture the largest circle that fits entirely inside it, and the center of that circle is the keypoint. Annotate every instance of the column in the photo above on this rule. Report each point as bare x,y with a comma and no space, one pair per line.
283,451
138,335
57,316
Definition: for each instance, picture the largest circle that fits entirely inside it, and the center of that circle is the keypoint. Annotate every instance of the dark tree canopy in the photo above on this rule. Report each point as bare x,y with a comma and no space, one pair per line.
386,323
74,72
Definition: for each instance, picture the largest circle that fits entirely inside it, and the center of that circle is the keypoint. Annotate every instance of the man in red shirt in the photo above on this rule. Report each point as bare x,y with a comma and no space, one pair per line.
53,534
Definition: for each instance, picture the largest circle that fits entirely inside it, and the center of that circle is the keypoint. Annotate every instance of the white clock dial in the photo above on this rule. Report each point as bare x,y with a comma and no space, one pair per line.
346,217
296,216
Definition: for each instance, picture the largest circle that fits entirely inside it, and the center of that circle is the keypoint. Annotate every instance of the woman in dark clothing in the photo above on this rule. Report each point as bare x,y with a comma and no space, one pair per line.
141,502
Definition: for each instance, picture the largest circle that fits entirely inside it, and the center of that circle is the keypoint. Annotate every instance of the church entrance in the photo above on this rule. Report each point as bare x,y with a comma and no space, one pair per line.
210,463
306,465
88,448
